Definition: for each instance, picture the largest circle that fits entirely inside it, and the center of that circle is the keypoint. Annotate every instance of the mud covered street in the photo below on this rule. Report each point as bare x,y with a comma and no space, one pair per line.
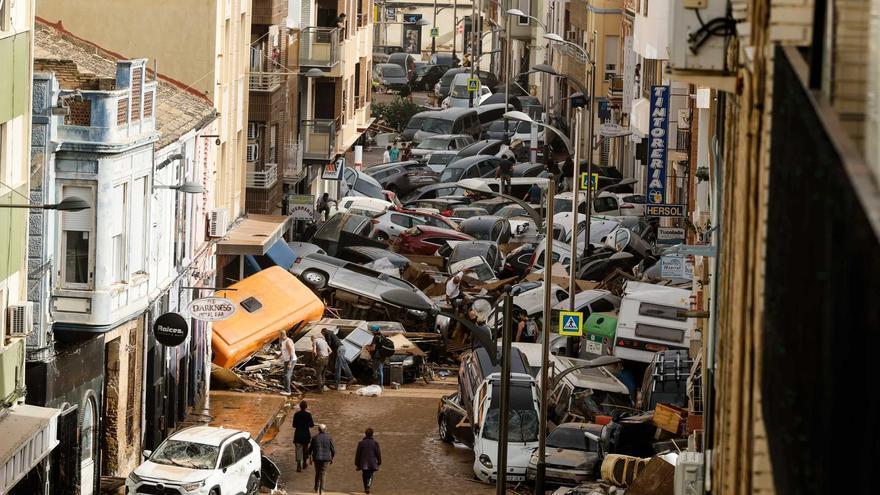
415,461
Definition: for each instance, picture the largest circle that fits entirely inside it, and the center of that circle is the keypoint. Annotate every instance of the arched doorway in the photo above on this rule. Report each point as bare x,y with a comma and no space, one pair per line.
88,447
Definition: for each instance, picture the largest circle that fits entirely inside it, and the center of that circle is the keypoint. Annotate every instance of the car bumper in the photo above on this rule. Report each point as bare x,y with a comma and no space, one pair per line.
491,475
151,488
559,476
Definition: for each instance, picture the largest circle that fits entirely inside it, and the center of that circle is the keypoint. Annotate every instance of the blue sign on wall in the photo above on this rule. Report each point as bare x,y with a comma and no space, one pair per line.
658,145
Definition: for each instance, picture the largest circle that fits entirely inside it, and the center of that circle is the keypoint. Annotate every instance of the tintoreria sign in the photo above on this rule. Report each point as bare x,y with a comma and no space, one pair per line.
658,144
211,308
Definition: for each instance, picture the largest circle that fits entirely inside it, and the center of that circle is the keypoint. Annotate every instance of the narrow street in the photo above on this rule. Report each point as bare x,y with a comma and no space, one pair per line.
415,461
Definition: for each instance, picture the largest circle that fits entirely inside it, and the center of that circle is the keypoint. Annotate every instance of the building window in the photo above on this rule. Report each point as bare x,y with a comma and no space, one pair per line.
119,212
526,7
273,135
611,52
87,432
138,224
76,240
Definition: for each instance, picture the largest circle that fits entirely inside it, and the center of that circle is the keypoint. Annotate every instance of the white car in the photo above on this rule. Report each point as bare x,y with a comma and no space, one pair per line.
202,460
459,96
631,204
362,205
390,224
441,142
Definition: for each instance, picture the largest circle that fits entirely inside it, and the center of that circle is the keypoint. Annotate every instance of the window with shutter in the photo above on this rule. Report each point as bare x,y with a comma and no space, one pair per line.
76,239
138,224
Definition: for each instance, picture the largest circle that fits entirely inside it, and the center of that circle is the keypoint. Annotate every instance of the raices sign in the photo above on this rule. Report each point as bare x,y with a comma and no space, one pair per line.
211,309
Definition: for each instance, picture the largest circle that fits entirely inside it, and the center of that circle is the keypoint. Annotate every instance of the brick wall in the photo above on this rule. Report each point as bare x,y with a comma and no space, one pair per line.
849,64
80,112
67,74
121,427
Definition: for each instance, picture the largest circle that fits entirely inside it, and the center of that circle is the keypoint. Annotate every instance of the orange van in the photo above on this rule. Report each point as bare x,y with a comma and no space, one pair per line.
266,302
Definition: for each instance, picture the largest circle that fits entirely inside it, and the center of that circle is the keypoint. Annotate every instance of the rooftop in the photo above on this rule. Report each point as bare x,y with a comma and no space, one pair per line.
178,109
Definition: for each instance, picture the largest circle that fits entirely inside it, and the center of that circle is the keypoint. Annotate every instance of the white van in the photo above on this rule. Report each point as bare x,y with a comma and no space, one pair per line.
459,96
649,321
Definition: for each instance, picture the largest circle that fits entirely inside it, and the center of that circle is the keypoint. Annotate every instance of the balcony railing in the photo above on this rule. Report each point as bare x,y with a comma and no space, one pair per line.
319,138
266,81
615,87
319,47
263,179
359,102
293,169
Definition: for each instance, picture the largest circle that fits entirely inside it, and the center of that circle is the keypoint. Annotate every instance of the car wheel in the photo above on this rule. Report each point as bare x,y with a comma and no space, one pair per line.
381,236
214,491
444,431
316,280
253,484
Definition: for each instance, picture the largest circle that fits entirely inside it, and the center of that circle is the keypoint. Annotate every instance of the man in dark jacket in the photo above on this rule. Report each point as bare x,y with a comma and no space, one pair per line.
504,171
341,363
322,452
302,435
368,458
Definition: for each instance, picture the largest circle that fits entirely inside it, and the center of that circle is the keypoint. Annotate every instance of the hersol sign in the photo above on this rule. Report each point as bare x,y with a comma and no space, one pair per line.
211,308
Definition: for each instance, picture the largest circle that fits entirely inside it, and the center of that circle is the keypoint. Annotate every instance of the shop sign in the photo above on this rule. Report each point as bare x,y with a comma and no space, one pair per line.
170,329
301,206
658,135
211,308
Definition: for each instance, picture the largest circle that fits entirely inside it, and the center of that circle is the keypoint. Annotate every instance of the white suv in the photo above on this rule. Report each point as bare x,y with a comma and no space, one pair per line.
202,460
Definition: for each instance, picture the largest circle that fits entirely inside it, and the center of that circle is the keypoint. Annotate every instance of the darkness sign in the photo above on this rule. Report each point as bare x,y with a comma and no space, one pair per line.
170,329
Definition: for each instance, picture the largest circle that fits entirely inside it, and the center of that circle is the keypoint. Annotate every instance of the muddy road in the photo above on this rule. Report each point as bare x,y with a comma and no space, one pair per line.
415,461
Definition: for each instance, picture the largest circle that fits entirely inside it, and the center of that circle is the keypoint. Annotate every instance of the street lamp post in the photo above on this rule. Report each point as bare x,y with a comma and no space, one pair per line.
434,26
545,340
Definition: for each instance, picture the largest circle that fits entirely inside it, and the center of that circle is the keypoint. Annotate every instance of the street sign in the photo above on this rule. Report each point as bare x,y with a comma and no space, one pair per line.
612,130
435,32
333,170
676,267
571,323
473,84
170,329
211,309
595,181
301,206
658,145
664,210
670,235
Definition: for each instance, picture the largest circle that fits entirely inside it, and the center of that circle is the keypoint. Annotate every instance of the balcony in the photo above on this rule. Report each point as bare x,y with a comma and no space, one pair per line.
319,47
319,138
262,179
571,64
269,12
615,89
293,169
266,81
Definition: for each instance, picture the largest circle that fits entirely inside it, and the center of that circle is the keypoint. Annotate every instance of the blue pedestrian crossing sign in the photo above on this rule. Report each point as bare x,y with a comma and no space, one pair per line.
473,84
571,323
594,181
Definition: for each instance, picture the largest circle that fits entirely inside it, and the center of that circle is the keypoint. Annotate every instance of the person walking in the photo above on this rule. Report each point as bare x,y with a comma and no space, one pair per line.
394,153
323,206
288,357
567,172
386,156
367,458
321,351
407,152
376,352
322,451
340,363
302,435
505,172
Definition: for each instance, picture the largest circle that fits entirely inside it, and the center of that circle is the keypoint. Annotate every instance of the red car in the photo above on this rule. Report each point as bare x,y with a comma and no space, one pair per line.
425,240
433,219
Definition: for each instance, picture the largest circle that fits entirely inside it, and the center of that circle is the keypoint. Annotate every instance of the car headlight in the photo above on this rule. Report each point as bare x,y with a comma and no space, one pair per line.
409,361
191,487
134,478
485,461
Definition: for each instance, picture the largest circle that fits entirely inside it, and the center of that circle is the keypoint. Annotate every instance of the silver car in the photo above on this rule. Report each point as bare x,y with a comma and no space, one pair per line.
320,272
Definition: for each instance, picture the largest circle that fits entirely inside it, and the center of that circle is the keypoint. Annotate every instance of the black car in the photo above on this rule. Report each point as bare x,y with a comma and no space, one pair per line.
403,177
519,261
499,98
414,124
431,191
365,254
487,228
444,59
392,77
502,130
488,250
427,76
470,168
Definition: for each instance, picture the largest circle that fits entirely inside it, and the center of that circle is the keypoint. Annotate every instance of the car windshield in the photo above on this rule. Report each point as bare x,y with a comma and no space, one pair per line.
512,212
437,126
567,438
186,454
522,425
434,144
415,123
465,251
524,127
447,78
421,70
451,174
440,158
498,125
367,188
459,91
392,70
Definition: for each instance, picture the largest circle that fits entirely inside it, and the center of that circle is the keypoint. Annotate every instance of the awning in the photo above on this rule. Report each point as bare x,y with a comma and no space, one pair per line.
253,235
29,434
640,117
266,302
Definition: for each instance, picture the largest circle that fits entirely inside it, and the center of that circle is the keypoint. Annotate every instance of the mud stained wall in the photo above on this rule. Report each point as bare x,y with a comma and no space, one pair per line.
121,438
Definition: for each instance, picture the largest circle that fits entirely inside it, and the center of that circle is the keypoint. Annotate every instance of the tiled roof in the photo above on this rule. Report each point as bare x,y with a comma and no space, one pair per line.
178,110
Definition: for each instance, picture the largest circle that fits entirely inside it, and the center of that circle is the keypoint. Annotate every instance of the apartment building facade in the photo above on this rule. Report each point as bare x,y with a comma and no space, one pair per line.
335,62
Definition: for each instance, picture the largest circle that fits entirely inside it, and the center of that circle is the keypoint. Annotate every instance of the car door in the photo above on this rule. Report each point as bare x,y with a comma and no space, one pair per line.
231,480
399,222
247,461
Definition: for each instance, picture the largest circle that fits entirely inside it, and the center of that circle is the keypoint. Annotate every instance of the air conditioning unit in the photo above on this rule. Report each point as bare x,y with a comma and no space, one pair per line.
253,130
217,222
697,31
253,152
689,473
21,319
